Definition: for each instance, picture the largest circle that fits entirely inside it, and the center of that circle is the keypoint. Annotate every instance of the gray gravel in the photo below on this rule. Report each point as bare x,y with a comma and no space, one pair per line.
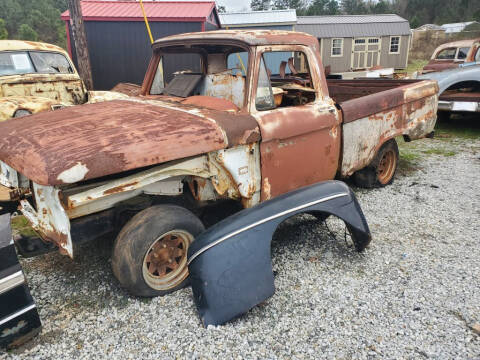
414,293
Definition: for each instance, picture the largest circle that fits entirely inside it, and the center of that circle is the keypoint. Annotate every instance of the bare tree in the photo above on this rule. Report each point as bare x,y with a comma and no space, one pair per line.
80,39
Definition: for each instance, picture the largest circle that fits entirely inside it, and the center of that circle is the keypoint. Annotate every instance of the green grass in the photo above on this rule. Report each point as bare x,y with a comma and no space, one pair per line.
438,151
415,65
409,157
21,226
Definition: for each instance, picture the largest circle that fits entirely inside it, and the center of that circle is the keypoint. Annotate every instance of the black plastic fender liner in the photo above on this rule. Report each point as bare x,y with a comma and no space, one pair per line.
230,263
19,320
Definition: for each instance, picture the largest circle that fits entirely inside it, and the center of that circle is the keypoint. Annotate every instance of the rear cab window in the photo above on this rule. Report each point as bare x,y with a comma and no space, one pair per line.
284,80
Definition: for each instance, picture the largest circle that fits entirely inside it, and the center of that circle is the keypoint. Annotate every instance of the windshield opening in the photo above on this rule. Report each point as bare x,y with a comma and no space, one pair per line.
207,70
27,62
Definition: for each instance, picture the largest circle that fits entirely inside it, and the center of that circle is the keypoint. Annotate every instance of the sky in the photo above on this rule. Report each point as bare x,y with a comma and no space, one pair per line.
235,5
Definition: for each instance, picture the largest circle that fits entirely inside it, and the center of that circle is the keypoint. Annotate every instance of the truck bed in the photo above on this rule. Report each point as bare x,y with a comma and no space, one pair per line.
376,110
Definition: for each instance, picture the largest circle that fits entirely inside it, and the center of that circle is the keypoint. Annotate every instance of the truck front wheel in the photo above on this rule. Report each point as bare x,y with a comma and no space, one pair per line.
150,253
381,171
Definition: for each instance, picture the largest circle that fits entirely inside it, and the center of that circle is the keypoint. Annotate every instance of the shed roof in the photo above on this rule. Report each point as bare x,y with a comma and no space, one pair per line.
96,10
353,25
267,17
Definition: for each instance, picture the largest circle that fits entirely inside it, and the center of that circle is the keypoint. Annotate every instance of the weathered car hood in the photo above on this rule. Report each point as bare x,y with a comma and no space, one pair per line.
93,140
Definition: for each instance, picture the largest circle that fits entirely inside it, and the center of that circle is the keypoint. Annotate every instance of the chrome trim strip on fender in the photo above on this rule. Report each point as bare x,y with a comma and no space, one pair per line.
11,281
226,237
17,314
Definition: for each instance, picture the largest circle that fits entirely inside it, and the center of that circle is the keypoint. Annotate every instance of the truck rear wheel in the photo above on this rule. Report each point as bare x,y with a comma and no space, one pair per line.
381,171
150,253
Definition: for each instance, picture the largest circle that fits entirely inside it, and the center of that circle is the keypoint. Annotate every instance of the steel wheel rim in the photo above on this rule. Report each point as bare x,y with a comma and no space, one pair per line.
386,167
165,262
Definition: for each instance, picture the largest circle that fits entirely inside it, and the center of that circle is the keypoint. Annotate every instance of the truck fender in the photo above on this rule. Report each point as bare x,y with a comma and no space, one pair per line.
19,320
230,263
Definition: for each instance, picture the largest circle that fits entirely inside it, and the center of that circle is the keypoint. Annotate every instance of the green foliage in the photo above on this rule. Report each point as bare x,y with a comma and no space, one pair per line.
258,5
25,32
418,12
323,7
3,30
35,20
289,4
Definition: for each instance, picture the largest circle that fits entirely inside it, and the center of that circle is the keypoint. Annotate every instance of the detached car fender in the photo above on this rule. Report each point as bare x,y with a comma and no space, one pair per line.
19,320
230,263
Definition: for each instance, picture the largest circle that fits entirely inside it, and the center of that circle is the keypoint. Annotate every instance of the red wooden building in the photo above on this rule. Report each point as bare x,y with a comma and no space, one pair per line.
117,38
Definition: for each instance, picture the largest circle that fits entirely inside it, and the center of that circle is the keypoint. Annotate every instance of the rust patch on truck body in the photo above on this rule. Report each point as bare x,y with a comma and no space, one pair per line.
95,140
408,110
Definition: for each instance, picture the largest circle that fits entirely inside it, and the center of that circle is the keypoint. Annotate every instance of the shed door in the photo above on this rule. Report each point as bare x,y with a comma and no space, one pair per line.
366,53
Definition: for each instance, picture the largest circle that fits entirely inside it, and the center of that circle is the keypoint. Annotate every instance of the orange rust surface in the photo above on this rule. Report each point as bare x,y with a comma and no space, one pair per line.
210,102
460,96
248,37
298,161
119,188
128,89
300,146
379,100
107,138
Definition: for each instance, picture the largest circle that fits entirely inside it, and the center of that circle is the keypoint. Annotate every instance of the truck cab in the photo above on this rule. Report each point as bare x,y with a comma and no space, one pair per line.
36,77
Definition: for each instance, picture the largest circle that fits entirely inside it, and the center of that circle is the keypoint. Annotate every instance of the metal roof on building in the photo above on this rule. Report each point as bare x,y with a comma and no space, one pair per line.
95,10
426,27
353,25
457,27
267,17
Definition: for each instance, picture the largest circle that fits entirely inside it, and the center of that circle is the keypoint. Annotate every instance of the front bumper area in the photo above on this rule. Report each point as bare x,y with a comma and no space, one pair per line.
467,106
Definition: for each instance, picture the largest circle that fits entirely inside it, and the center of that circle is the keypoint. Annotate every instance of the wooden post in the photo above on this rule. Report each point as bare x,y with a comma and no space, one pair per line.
80,39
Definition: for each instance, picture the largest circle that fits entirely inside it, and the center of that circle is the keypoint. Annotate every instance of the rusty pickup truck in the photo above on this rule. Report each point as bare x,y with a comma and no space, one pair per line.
36,77
222,116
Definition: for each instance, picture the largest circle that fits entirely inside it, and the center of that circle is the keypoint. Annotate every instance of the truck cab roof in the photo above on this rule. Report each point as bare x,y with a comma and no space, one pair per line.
17,45
247,37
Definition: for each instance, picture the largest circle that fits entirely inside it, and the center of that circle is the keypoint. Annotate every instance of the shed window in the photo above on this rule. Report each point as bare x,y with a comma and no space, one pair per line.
394,44
337,47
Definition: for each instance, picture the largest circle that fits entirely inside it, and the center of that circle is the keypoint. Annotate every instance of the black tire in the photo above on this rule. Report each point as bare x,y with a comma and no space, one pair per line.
378,173
141,258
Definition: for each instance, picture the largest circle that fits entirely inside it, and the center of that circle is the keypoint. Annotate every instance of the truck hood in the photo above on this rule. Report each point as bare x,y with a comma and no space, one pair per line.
94,140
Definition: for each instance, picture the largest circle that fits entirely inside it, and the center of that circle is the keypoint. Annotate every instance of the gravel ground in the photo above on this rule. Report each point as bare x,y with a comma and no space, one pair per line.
414,293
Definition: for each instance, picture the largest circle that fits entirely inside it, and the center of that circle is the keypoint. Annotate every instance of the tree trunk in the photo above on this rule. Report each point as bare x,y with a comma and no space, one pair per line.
80,39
